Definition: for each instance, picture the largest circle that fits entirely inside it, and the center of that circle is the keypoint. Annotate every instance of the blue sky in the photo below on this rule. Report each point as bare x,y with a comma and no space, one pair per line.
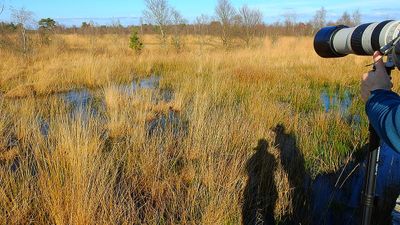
74,12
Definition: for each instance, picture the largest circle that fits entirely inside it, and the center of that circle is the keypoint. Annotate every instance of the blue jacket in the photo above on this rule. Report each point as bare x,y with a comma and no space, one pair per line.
383,110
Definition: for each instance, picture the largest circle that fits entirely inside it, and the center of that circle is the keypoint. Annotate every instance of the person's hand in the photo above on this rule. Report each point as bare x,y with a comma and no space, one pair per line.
374,80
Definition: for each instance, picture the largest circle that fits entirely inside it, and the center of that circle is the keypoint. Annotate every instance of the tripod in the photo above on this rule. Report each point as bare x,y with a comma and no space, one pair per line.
372,172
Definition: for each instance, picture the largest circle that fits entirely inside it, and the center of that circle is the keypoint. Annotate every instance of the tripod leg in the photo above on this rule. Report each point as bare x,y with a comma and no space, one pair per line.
370,181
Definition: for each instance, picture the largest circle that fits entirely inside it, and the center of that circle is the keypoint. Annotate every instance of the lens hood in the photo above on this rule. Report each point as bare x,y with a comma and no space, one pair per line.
323,42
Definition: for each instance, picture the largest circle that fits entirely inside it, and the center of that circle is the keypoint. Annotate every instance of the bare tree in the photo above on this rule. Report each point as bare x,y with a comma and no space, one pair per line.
225,13
2,6
202,31
319,20
290,21
178,22
141,25
345,19
202,23
356,17
250,19
23,18
158,12
1,27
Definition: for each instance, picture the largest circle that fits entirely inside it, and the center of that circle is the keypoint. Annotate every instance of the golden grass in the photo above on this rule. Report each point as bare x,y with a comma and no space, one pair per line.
105,168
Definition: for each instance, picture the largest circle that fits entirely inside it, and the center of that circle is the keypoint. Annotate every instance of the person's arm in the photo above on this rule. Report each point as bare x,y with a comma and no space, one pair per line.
383,105
383,110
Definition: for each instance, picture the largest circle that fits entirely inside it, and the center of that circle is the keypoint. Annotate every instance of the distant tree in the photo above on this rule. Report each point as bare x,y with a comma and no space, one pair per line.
88,27
158,12
116,23
345,19
115,26
8,26
225,13
85,25
23,18
319,20
141,25
178,22
201,28
215,27
47,24
356,17
249,19
134,42
46,28
290,20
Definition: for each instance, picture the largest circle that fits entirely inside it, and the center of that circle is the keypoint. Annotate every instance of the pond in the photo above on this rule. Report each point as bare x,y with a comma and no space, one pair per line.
85,103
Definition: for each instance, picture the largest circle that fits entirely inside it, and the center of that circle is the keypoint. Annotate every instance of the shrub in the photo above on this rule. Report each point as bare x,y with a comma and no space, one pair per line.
135,43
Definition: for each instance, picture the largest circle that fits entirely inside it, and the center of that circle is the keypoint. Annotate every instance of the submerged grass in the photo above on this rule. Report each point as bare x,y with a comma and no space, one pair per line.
106,168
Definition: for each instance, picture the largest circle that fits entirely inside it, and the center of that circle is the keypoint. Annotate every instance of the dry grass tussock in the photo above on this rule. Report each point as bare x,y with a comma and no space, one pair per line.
103,165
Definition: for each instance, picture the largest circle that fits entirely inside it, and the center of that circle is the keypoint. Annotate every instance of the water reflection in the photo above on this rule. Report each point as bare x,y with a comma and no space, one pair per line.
85,103
170,121
332,102
77,98
151,82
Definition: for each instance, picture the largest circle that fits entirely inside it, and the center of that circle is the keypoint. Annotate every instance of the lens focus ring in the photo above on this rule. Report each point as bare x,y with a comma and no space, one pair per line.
356,39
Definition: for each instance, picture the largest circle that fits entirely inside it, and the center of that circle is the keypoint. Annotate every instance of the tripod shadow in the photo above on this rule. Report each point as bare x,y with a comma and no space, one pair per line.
260,194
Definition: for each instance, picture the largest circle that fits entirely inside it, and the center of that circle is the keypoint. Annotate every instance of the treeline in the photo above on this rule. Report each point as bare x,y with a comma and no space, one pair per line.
225,15
228,24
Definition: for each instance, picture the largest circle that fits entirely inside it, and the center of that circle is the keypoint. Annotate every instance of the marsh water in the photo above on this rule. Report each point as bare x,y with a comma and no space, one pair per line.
85,102
341,103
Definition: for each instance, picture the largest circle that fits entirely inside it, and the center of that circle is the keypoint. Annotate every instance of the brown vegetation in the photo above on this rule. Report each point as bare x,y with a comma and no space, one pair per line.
106,168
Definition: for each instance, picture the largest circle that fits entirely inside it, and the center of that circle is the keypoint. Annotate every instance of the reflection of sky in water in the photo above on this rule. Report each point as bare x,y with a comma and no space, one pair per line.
331,102
44,126
161,123
342,104
83,104
82,99
78,99
151,82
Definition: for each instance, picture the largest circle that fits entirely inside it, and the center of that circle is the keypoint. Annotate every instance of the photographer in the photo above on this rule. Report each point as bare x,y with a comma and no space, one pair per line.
382,104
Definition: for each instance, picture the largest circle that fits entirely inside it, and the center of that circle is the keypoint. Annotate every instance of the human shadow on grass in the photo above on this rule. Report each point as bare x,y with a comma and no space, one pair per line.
330,199
260,194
